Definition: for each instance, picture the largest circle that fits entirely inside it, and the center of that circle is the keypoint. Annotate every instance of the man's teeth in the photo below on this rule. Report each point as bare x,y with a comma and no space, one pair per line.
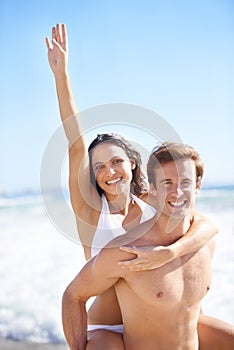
177,204
113,181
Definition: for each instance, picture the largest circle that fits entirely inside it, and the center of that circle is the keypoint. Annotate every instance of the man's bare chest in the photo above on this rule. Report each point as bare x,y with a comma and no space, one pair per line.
184,280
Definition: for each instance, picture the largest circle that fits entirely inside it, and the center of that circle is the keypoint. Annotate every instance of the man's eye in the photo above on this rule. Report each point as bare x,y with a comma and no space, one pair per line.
186,182
167,182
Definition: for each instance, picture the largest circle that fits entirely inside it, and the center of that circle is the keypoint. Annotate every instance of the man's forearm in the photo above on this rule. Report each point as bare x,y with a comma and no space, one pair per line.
74,317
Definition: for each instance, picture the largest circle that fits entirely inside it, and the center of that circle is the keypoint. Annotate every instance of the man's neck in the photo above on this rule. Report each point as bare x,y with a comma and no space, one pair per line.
173,228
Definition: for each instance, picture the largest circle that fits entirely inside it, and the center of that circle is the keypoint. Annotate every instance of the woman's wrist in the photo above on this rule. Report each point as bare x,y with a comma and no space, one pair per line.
61,75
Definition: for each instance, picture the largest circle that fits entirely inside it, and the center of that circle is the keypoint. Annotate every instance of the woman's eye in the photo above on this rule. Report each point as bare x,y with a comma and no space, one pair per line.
116,161
98,167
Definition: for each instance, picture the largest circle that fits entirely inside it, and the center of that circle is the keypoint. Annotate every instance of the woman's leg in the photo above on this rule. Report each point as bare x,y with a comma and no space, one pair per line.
215,334
101,339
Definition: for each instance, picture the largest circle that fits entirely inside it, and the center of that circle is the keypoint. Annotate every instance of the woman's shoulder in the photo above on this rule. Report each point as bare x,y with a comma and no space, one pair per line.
148,198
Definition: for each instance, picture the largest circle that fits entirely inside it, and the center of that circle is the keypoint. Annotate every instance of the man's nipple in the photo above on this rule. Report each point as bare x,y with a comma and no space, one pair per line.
159,295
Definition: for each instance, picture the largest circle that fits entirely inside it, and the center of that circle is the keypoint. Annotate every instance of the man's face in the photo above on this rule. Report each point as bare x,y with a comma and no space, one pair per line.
176,188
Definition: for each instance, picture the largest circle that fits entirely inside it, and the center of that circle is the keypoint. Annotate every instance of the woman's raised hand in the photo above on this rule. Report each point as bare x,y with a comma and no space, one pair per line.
58,49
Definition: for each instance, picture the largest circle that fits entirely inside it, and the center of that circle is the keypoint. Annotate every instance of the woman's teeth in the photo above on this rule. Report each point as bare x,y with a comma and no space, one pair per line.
113,181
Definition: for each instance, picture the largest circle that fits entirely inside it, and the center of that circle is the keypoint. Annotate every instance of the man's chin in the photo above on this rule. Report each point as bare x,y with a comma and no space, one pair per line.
179,213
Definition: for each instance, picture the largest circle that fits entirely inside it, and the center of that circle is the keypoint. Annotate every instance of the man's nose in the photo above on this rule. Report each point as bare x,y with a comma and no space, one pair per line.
178,190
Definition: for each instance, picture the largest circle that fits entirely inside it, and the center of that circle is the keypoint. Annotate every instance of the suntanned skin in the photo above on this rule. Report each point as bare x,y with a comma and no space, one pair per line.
160,307
85,200
87,215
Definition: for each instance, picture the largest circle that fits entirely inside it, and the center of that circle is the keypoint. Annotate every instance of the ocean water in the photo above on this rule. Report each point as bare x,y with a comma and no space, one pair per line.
38,262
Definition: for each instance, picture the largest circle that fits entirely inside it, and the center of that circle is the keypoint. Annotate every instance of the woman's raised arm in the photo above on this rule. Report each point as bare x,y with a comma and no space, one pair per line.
58,61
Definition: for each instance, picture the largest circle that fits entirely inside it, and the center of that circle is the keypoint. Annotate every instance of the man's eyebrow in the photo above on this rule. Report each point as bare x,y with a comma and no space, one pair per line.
186,179
165,180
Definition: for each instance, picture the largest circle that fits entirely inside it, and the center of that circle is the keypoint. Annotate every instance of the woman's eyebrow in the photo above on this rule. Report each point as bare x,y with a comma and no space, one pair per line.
97,163
115,157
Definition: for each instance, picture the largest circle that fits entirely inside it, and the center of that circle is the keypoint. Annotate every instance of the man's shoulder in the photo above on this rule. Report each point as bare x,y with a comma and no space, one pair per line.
211,245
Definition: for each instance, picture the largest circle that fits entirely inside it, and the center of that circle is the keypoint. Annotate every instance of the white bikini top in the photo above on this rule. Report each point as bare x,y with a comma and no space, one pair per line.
108,229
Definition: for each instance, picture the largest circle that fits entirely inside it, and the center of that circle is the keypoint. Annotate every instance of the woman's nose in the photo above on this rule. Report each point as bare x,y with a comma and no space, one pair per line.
111,170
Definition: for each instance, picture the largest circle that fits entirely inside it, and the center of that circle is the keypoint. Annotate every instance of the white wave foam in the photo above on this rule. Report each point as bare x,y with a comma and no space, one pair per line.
37,263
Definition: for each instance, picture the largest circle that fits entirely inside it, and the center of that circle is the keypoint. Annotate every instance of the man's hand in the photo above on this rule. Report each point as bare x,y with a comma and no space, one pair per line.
58,49
148,258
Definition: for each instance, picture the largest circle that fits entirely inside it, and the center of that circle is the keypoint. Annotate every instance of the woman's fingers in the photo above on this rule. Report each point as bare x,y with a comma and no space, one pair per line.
134,265
58,33
129,263
136,268
48,43
53,34
133,250
55,43
64,34
59,37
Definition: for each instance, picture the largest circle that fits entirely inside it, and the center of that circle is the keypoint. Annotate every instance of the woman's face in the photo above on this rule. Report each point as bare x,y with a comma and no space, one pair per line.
112,168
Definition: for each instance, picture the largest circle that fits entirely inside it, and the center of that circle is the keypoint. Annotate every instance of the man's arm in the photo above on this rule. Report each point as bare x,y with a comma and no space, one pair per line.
98,275
74,317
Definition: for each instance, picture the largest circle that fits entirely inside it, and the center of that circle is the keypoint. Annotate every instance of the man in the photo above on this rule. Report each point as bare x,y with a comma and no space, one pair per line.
160,307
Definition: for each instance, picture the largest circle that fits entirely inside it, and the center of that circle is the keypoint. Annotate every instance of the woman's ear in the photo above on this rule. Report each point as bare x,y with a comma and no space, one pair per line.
133,164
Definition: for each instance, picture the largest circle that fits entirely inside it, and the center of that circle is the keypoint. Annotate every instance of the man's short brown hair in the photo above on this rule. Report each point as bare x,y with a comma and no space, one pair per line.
170,151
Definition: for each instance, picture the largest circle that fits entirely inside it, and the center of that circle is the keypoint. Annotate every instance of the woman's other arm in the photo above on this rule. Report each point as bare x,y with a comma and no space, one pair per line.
200,233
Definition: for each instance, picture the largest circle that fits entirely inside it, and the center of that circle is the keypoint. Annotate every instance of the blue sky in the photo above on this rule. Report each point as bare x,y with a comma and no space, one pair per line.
173,57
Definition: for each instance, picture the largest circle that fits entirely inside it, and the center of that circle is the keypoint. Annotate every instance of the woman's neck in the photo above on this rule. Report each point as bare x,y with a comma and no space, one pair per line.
119,204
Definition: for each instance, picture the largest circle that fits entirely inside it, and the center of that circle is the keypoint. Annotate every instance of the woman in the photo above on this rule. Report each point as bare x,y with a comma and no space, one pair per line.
108,177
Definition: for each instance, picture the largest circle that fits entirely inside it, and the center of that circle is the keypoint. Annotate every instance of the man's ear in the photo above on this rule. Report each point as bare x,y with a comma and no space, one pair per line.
198,185
153,190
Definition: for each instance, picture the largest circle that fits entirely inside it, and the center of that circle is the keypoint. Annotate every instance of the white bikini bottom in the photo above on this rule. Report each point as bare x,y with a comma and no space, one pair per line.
118,328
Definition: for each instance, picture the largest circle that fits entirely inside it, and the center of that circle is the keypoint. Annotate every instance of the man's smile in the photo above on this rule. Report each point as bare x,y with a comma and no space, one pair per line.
178,203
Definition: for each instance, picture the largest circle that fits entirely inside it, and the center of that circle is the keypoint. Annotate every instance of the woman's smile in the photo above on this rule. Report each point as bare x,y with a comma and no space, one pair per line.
114,181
